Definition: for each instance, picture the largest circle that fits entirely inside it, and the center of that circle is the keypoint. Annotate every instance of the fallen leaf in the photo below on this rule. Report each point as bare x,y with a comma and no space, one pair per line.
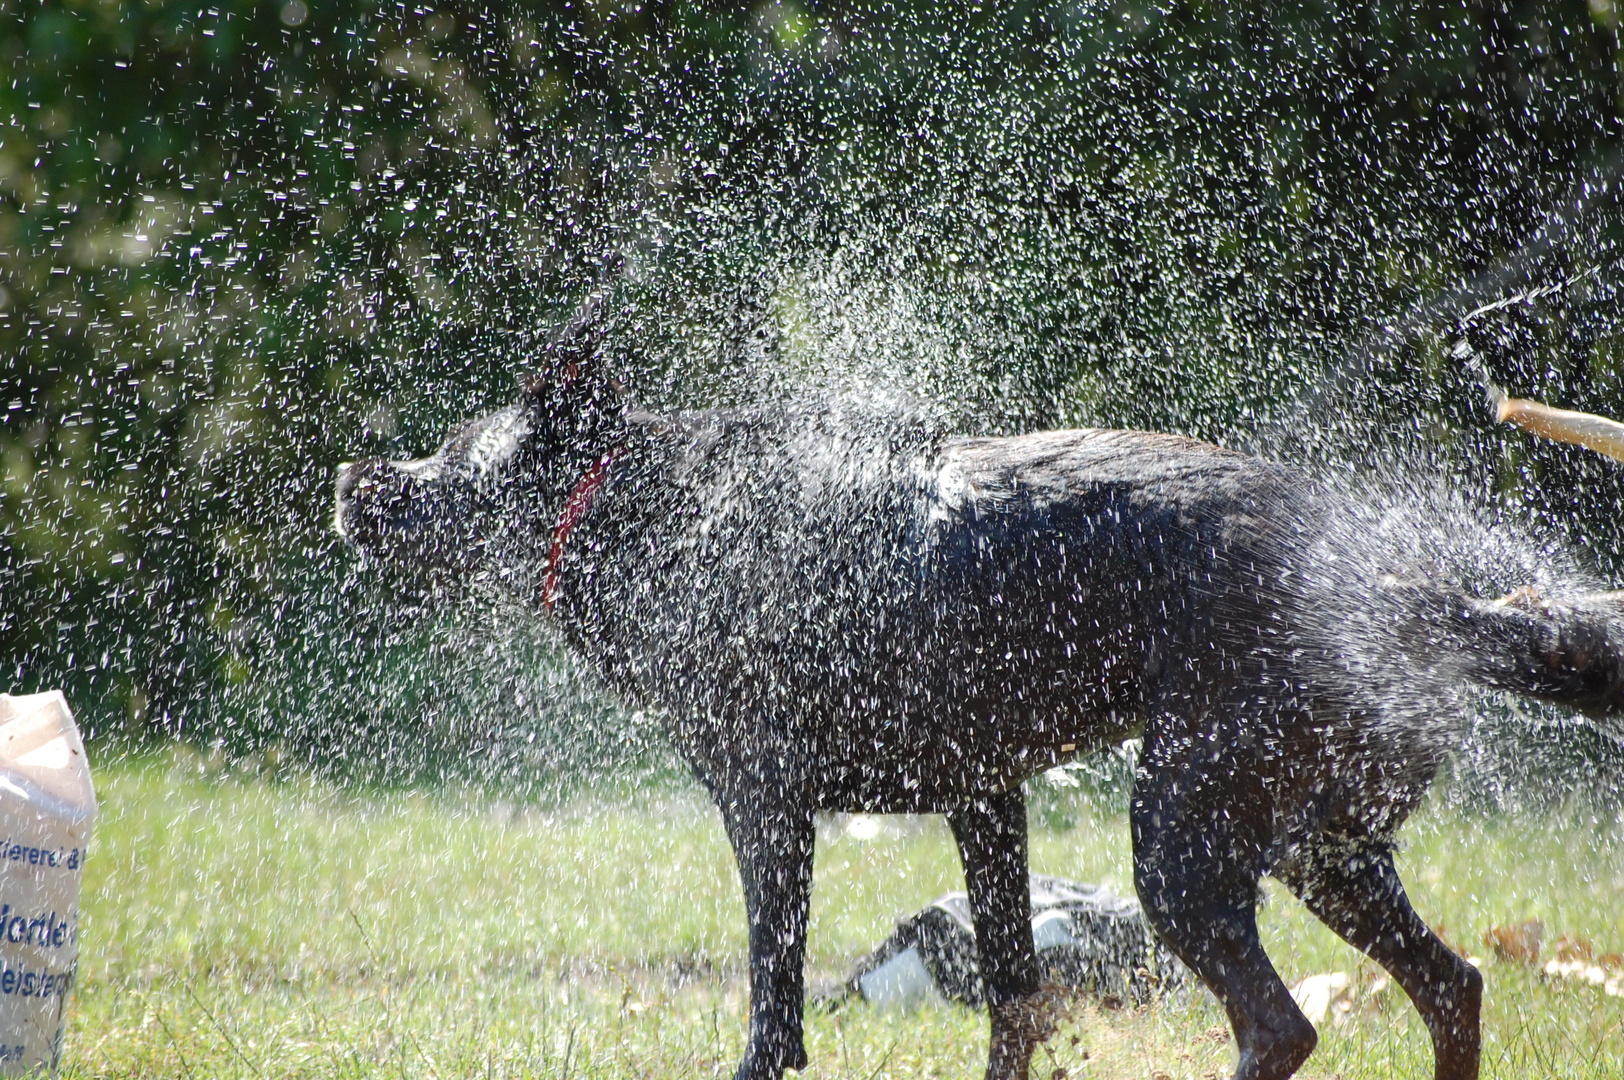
1518,944
1319,996
1572,947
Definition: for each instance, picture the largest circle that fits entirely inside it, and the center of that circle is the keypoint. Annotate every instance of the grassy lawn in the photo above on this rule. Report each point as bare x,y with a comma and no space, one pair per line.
242,927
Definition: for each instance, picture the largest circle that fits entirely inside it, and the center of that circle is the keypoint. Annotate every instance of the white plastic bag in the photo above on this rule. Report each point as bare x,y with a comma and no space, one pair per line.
47,807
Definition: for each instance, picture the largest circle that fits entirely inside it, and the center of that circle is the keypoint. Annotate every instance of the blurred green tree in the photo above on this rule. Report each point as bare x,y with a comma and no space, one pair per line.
241,241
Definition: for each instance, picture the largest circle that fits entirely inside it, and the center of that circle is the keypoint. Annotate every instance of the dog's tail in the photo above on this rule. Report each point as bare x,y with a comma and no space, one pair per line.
1564,650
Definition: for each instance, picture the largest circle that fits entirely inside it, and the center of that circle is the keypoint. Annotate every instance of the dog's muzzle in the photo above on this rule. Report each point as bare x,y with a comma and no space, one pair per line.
391,512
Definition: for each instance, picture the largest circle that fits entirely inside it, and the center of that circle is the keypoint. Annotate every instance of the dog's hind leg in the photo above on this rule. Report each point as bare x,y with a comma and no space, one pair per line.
991,833
1198,886
1352,886
772,841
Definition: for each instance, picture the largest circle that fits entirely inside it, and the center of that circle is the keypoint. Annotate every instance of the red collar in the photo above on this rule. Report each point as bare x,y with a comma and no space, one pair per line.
576,507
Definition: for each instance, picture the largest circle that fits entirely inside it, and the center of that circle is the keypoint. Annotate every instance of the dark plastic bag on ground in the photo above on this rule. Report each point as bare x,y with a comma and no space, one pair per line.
1088,938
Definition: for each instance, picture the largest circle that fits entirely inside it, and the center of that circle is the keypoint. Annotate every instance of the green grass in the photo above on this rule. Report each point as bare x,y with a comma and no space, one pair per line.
251,928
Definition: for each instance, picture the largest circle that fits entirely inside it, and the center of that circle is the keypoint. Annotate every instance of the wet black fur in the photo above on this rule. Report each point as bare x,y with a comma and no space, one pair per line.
841,612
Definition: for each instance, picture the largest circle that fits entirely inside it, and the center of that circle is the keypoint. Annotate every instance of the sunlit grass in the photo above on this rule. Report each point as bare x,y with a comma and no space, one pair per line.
242,927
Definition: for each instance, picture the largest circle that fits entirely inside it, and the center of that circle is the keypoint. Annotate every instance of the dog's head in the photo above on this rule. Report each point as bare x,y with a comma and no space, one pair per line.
496,485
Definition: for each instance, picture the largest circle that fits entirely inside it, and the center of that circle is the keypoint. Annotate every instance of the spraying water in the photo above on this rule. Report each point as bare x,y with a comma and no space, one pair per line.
1022,220
245,242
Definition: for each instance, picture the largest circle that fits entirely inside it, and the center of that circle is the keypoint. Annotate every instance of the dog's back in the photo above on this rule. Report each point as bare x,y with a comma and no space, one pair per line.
919,617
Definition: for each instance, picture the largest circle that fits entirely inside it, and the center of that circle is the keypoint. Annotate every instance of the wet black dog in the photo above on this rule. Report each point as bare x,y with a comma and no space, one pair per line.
842,612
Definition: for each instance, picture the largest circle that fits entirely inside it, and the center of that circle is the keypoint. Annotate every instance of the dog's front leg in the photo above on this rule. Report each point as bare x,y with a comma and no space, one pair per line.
991,833
772,836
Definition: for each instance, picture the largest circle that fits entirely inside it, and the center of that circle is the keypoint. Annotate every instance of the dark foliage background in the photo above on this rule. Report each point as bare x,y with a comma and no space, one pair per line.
242,241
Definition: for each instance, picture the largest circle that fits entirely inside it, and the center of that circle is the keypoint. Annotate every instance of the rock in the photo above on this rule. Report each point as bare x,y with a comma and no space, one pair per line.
1088,939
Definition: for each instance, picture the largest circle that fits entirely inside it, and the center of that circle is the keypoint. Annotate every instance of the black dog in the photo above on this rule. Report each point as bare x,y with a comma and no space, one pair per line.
842,612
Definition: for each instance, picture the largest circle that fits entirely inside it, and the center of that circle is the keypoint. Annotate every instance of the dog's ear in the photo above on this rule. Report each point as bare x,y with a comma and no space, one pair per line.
572,398
575,381
573,412
574,355
573,402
